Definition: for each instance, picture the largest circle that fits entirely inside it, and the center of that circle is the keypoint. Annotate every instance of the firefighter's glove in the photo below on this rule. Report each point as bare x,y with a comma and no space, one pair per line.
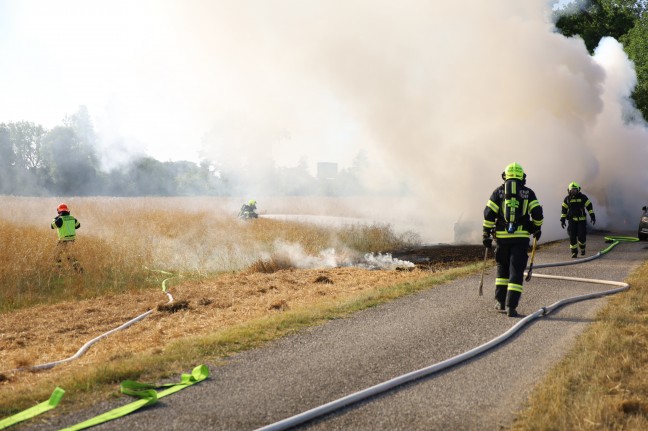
487,240
537,234
593,218
562,223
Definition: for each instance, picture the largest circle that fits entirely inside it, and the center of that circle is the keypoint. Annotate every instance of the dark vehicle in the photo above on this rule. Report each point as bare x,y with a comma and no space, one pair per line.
642,232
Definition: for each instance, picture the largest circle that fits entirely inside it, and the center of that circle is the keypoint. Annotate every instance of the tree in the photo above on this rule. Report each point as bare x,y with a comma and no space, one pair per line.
149,177
6,160
635,44
595,19
624,20
81,123
71,165
26,140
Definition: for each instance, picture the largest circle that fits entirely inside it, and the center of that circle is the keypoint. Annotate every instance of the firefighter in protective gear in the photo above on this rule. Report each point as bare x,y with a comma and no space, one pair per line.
575,208
512,214
248,210
66,226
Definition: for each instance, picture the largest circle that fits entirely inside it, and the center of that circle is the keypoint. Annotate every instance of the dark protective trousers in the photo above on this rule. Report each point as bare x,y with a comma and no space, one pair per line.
511,256
577,231
64,252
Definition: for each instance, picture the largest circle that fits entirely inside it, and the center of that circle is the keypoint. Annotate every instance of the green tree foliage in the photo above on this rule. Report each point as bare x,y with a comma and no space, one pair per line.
635,43
595,19
624,20
23,154
26,140
6,159
71,164
62,161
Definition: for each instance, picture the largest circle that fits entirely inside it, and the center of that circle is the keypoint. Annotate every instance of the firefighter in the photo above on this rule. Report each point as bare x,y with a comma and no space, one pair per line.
575,208
512,214
248,210
66,226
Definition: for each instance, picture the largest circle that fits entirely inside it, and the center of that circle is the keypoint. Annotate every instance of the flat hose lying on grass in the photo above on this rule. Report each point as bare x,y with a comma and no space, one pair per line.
87,345
414,375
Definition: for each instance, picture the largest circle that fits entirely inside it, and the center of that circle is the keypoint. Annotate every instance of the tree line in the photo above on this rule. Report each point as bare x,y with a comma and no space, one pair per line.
63,161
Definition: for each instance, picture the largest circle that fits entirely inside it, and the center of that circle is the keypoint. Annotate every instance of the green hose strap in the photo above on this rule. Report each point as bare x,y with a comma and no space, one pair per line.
53,401
615,240
147,394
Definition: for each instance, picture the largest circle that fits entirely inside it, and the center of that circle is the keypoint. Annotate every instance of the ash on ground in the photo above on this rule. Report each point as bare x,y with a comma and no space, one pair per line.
441,256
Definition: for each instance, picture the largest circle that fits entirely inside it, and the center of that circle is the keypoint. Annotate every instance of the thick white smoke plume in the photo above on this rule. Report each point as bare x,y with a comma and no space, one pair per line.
441,95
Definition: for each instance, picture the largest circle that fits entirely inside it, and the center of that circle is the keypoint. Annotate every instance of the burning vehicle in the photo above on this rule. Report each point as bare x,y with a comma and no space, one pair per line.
642,232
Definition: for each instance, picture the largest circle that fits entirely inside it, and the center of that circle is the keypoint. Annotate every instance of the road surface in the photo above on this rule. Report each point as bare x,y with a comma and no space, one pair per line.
325,363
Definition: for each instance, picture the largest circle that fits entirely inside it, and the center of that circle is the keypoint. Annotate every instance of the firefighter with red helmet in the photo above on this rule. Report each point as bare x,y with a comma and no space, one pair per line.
512,214
66,226
575,208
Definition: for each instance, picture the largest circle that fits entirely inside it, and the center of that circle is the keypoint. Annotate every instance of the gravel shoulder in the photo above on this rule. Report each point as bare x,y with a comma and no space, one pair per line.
324,363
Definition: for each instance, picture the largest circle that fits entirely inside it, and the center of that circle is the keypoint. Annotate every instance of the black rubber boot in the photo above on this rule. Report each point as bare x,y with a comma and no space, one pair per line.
500,296
499,306
512,300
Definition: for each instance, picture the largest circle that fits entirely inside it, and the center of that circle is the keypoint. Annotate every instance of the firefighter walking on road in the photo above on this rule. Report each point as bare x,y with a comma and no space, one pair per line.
512,214
575,208
66,226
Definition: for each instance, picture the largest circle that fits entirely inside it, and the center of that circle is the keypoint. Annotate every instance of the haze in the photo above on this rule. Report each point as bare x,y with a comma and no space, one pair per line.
439,96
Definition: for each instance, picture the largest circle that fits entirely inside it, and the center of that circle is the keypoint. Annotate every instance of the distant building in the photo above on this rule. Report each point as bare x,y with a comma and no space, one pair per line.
327,171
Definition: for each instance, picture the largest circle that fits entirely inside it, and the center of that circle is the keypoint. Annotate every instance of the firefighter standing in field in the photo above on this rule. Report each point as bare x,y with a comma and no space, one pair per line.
575,208
66,226
512,214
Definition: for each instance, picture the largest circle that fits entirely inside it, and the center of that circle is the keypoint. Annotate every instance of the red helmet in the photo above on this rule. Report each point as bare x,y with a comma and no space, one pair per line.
62,207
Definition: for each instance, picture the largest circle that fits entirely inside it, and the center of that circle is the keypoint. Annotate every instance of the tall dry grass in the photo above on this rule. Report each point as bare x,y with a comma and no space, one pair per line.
123,243
603,383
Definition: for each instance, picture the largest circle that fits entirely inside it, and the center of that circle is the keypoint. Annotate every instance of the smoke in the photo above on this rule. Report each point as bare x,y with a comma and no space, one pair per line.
294,254
440,95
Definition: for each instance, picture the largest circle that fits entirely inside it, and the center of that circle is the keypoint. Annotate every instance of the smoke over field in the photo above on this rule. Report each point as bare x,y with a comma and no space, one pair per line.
440,95
428,101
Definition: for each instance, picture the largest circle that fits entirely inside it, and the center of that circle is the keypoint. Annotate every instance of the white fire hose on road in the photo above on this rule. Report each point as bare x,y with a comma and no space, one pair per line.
414,375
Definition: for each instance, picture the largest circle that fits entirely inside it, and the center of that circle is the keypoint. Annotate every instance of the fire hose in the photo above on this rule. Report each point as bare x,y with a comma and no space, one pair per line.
427,371
146,393
87,345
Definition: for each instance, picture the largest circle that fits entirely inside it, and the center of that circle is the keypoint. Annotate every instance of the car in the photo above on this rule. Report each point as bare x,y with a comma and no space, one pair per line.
642,232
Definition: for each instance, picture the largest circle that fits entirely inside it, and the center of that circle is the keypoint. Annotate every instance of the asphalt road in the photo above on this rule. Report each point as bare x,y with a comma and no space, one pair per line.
325,363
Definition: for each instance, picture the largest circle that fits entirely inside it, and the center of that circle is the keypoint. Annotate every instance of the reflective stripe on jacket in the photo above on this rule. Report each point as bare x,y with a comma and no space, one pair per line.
576,207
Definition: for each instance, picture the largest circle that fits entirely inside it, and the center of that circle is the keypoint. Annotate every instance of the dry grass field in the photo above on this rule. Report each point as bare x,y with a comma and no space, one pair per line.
123,241
237,284
255,279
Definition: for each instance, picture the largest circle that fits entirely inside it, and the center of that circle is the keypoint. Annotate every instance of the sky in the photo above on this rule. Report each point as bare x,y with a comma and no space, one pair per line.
438,95
158,77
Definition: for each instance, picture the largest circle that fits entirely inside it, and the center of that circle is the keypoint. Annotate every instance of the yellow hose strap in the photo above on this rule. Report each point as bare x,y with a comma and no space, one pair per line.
146,393
53,401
